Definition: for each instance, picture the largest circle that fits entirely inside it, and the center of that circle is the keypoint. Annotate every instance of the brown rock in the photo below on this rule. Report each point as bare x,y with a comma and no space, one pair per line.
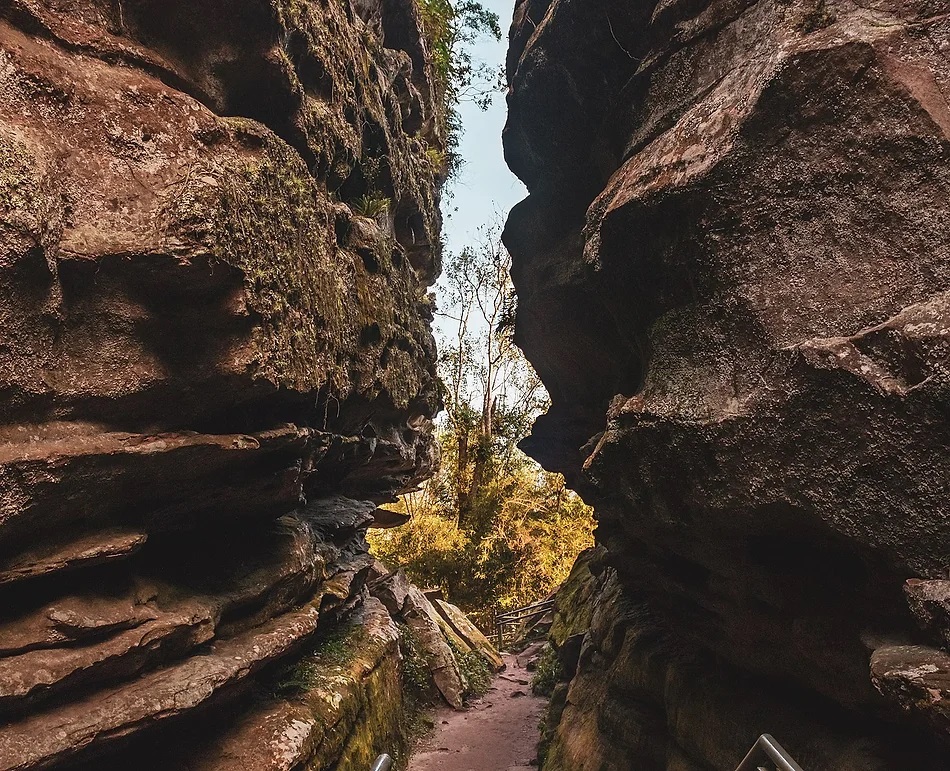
918,680
385,519
391,588
92,549
349,712
52,736
73,619
929,601
430,632
37,673
733,279
214,365
470,634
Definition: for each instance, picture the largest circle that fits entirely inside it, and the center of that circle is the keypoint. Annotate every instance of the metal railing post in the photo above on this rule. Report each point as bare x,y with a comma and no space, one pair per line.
767,748
513,618
383,763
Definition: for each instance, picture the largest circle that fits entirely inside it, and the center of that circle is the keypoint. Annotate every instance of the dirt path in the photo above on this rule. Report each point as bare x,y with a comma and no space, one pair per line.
498,733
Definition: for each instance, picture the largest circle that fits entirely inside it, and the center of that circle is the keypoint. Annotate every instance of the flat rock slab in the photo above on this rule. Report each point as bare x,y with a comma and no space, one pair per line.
465,629
43,740
91,549
498,733
918,679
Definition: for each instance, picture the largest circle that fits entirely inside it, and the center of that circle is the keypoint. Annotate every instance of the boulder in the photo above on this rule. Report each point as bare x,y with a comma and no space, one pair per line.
470,634
430,633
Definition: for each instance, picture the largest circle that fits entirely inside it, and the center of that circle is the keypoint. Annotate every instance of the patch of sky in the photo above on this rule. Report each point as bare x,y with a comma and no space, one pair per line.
485,190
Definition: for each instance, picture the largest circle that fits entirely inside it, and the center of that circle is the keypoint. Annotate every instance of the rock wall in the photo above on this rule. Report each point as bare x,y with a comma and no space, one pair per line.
218,225
733,272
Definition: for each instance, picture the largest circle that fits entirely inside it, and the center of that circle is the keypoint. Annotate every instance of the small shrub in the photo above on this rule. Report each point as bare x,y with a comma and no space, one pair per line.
296,680
475,672
416,692
548,673
415,671
331,650
371,206
437,159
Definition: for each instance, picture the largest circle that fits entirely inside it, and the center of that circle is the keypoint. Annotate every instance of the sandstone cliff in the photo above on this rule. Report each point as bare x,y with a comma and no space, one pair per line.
733,271
218,223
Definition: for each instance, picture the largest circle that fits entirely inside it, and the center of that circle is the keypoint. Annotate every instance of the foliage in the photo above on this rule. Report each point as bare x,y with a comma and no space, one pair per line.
548,672
415,672
476,673
491,528
296,680
452,26
371,205
331,650
416,693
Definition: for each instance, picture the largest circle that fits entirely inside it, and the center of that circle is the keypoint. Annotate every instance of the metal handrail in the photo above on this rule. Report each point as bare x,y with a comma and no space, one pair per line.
383,763
538,606
769,750
517,616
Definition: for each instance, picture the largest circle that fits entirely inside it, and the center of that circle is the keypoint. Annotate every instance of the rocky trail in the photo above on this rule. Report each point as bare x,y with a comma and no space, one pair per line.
499,732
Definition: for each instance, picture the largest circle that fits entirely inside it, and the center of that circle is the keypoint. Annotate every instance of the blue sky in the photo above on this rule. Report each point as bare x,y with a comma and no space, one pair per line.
485,186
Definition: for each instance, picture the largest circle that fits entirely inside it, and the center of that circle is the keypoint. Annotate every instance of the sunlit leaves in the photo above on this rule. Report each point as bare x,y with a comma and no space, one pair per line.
491,528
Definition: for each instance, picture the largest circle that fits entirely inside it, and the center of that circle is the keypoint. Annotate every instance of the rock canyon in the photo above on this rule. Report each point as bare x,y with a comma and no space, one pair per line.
219,227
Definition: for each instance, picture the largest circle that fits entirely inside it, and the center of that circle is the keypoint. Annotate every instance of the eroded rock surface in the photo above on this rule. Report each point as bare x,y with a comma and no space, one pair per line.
733,273
218,226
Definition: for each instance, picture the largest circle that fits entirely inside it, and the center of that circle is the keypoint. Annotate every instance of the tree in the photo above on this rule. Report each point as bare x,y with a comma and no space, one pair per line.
491,393
452,26
491,528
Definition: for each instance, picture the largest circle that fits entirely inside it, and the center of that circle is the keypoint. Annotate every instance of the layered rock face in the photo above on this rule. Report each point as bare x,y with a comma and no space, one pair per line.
218,223
733,271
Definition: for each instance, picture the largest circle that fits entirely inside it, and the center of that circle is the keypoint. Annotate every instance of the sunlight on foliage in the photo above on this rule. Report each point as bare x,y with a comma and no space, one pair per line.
492,529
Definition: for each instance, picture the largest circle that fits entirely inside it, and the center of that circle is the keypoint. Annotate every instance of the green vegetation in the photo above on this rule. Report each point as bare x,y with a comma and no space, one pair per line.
476,673
491,528
548,672
451,27
417,692
371,206
415,672
333,649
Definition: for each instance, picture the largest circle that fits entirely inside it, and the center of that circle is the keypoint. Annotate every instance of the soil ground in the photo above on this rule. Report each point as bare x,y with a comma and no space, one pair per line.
499,732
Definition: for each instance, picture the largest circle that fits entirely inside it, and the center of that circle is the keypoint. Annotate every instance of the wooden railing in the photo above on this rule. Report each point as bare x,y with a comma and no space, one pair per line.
506,624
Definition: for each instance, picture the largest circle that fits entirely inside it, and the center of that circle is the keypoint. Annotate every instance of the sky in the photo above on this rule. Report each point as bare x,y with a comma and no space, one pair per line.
485,186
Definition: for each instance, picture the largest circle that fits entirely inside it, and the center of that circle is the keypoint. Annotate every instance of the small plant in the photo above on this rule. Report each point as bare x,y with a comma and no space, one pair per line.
475,672
416,692
332,650
297,680
437,158
371,206
415,671
548,673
